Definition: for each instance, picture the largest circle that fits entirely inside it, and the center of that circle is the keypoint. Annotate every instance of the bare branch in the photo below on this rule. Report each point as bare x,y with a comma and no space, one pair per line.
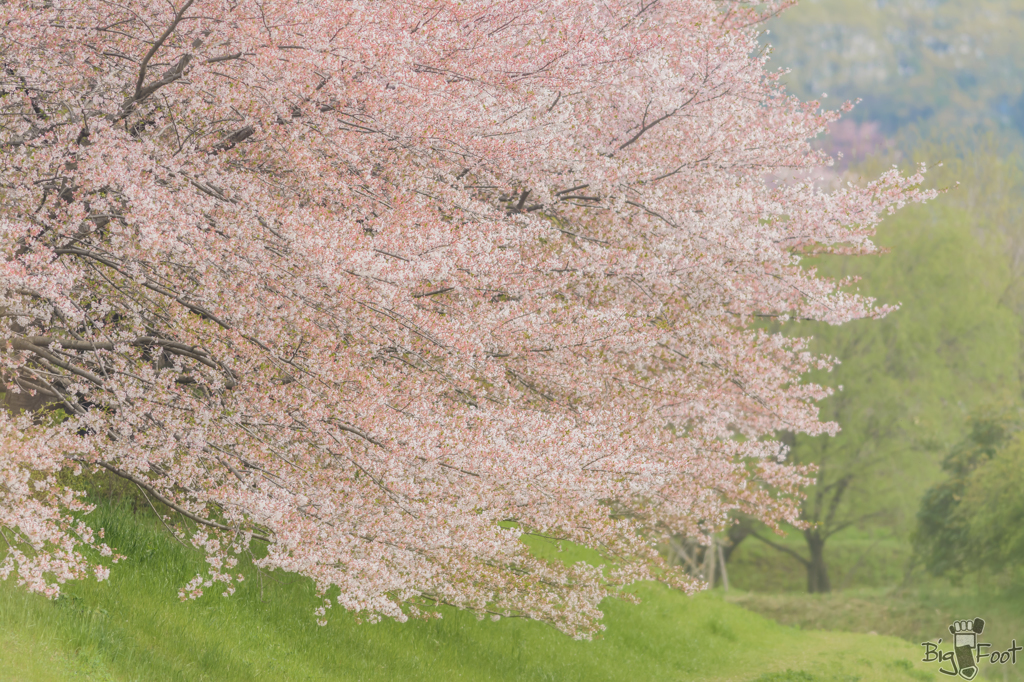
172,505
782,548
139,89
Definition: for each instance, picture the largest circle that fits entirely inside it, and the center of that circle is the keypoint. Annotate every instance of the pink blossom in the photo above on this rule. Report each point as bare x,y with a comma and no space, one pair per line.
389,286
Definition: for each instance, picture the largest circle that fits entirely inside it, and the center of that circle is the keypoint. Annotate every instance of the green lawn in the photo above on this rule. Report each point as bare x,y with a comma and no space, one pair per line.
134,628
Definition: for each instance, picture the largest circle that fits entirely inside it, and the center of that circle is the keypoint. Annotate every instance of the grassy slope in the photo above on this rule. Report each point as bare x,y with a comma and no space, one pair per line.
134,628
876,594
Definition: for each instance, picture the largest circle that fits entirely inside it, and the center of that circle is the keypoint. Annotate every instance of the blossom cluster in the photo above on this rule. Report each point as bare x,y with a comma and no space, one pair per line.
387,286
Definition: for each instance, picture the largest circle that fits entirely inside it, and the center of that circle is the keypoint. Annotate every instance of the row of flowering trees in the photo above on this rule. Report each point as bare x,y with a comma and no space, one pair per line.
389,285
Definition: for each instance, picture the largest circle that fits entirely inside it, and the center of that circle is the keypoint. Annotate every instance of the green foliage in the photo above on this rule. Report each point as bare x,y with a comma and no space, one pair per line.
974,519
132,628
908,380
994,508
942,536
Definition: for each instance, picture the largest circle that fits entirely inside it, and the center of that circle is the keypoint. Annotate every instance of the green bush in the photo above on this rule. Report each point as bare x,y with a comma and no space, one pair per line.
972,520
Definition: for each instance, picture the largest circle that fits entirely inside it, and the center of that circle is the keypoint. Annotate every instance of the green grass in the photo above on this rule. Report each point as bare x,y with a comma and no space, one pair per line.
917,614
879,596
134,628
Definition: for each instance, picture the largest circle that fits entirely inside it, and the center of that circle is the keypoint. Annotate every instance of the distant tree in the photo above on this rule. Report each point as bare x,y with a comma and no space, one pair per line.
907,380
387,285
972,520
943,66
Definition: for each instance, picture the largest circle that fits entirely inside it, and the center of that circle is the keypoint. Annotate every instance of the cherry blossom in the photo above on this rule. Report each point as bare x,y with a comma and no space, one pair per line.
390,286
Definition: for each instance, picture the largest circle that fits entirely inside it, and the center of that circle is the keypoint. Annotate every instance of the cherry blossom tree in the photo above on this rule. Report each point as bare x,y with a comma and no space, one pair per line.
388,286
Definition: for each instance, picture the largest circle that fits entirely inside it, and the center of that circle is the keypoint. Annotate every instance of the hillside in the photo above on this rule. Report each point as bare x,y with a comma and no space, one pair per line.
134,628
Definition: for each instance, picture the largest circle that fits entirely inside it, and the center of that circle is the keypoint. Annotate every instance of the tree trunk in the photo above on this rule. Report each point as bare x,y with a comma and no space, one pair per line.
737,533
709,563
817,571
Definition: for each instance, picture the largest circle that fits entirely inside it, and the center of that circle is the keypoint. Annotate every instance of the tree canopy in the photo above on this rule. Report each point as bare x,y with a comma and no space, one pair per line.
386,286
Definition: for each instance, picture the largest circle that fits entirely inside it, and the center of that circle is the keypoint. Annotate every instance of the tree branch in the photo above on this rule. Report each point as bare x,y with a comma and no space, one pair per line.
22,344
142,92
172,505
846,524
837,496
782,548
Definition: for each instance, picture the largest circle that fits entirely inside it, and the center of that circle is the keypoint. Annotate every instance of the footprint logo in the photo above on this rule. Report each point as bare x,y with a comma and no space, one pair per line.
965,638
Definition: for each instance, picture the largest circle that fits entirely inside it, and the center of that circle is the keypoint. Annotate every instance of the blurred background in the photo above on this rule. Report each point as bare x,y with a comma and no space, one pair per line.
918,510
